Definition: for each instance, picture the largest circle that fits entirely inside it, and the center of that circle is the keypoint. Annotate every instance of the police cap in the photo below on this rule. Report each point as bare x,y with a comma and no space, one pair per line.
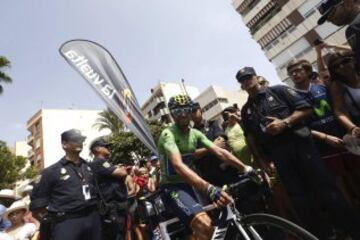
99,143
72,135
244,73
325,8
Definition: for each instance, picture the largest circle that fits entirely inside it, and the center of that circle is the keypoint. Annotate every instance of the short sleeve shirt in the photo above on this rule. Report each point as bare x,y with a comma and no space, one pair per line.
111,188
173,141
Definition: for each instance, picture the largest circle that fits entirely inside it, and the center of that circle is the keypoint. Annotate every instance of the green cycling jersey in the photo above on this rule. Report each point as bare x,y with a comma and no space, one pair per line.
173,141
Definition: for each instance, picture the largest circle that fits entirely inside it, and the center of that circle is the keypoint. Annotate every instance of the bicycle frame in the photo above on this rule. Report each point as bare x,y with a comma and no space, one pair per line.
232,216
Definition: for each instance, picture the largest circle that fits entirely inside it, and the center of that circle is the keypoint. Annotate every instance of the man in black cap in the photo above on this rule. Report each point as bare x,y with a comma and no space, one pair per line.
65,193
273,124
343,13
110,180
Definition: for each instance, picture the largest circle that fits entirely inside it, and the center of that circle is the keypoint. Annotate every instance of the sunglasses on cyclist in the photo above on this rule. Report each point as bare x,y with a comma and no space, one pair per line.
177,112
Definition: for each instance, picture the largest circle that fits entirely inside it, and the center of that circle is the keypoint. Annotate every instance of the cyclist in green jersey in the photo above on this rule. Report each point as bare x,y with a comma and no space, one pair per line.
177,148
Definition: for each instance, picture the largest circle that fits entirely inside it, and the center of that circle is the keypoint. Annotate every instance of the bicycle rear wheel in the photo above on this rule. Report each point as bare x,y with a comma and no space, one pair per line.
265,227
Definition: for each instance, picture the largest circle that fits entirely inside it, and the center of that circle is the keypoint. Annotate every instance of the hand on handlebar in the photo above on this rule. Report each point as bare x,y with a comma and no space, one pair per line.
218,196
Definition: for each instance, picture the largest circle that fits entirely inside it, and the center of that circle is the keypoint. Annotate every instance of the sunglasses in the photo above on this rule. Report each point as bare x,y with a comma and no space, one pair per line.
177,112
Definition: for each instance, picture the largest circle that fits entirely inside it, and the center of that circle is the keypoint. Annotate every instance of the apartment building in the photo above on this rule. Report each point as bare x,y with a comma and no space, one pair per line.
286,29
155,107
46,126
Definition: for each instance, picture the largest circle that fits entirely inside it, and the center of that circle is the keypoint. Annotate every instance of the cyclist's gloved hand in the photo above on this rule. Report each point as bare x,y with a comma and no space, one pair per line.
253,174
213,192
249,170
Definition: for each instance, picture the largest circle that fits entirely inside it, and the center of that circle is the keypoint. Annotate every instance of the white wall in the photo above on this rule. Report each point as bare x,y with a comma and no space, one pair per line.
22,148
55,122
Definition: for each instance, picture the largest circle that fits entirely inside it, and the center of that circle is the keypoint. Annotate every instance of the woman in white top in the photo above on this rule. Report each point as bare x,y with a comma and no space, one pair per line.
19,230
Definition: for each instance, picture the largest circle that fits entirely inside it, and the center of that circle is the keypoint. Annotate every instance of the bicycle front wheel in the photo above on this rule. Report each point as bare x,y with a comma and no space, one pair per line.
265,227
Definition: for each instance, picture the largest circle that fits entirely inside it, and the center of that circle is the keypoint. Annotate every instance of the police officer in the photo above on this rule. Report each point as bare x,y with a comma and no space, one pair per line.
112,190
66,191
210,167
272,118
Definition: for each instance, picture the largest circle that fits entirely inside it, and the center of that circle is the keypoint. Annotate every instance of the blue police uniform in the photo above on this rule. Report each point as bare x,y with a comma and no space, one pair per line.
114,193
305,177
68,191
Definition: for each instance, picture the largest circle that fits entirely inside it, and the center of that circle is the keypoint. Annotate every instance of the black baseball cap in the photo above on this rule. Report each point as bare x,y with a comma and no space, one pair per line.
72,135
196,105
99,143
325,9
244,73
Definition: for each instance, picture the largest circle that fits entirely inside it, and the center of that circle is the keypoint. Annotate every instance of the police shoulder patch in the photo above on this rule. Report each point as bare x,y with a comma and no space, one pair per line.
106,165
63,171
291,91
37,179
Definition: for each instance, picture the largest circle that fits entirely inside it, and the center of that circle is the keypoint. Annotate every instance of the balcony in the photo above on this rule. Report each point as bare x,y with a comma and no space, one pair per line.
30,153
29,139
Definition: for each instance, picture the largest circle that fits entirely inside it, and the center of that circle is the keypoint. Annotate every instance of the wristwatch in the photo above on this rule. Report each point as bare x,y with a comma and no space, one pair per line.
287,123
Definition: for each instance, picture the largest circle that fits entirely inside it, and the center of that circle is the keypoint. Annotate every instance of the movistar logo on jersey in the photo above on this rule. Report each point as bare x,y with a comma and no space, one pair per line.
322,108
81,62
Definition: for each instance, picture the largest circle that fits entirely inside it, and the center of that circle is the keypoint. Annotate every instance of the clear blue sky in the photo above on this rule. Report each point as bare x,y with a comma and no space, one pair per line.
203,41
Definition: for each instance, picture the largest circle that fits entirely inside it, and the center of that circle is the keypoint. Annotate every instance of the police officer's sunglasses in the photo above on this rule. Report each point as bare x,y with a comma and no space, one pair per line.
178,112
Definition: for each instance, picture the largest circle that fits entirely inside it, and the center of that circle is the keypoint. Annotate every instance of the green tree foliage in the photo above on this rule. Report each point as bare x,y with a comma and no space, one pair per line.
108,120
11,166
126,147
4,78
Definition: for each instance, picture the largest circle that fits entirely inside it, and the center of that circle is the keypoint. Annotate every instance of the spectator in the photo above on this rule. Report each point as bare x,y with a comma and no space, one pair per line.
326,131
7,197
235,135
273,122
4,224
320,46
155,170
19,230
345,88
344,13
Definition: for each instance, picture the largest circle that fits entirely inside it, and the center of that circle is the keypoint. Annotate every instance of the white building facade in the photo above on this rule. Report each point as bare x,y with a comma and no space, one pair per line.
286,30
46,127
215,99
155,107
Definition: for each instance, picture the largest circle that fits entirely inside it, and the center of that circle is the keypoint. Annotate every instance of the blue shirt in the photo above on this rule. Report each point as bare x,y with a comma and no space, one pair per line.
323,119
4,224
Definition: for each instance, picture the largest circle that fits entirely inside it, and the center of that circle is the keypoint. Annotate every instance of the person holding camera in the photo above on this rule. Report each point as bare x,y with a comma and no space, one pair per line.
64,195
110,181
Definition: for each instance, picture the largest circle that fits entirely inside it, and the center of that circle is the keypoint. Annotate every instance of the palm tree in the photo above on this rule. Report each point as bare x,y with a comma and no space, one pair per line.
4,63
108,120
